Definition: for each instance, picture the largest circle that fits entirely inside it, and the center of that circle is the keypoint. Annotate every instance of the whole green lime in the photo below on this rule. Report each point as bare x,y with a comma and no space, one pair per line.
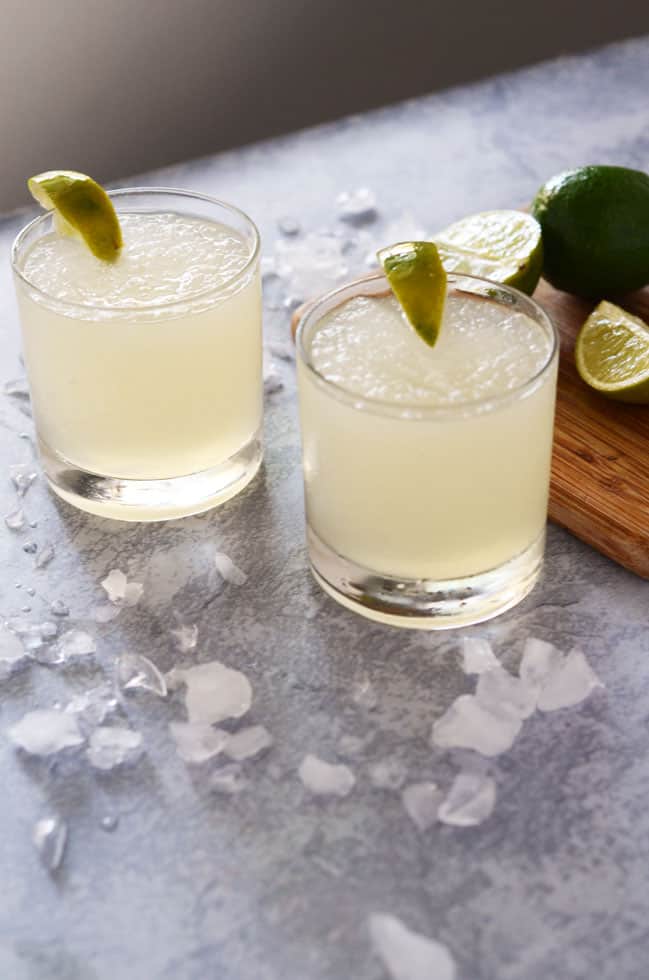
595,226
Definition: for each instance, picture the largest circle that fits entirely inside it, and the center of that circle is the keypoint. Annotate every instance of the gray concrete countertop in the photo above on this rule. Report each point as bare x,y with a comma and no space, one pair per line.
271,885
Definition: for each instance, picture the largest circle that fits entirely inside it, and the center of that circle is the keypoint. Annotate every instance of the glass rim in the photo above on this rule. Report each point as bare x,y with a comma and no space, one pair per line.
415,410
144,308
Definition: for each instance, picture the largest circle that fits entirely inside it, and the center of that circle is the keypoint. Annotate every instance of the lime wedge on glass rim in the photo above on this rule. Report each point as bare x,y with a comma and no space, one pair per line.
418,280
82,209
504,246
612,354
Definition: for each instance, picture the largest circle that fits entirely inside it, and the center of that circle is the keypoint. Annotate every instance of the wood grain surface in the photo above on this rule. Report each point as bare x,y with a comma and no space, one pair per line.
600,467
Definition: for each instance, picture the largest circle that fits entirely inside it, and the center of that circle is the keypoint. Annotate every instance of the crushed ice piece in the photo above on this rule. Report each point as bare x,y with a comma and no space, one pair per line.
568,684
59,608
357,207
215,692
364,695
197,742
22,475
477,656
388,774
469,725
135,672
289,226
12,653
92,707
46,731
421,802
185,637
272,379
470,800
114,746
33,524
228,570
248,743
30,547
50,837
408,955
505,695
29,633
109,823
25,609
30,591
351,746
228,780
17,388
310,264
539,661
105,612
120,591
273,290
76,643
324,779
16,520
283,352
45,556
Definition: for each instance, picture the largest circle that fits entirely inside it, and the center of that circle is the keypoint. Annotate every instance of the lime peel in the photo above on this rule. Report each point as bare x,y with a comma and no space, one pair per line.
418,280
82,209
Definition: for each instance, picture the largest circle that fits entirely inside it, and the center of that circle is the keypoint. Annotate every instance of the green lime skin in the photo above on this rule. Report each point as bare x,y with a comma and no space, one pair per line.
595,226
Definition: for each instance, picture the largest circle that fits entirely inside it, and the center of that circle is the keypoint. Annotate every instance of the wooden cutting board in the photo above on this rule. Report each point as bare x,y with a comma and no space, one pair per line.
600,466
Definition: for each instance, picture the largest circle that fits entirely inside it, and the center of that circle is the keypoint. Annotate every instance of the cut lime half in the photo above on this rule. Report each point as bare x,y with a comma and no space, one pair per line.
504,246
418,280
82,209
612,354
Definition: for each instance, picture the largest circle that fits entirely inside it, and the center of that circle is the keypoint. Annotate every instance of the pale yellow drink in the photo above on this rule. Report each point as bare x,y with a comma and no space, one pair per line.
424,464
148,368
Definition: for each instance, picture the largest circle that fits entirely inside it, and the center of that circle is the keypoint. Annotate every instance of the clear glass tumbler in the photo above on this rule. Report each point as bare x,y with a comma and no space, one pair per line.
147,398
422,514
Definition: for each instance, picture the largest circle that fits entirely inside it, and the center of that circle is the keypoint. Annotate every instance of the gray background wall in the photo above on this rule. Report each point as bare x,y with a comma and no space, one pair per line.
113,87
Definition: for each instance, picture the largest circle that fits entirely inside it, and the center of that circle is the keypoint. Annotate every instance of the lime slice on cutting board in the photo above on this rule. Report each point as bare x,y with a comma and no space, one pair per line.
612,354
504,246
82,209
418,280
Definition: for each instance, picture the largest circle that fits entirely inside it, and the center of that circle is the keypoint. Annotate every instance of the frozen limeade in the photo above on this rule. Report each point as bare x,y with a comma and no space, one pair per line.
145,365
426,468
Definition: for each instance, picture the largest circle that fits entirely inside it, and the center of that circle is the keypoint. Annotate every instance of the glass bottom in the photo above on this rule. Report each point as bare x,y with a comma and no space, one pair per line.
425,603
151,500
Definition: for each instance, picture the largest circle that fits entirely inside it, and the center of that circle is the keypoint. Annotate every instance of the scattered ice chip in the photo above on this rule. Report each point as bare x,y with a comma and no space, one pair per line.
408,955
185,637
273,290
105,612
539,661
228,780
470,800
120,591
357,207
324,779
30,547
289,226
135,672
114,746
505,695
272,379
311,264
22,476
16,520
17,388
59,608
215,692
388,774
469,725
228,570
76,643
30,633
133,593
283,352
477,656
197,742
93,706
109,823
46,731
45,556
50,837
364,695
248,743
12,653
351,746
421,802
569,684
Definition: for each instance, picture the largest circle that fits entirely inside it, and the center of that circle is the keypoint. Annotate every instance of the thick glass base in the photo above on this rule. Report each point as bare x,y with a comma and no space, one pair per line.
151,500
425,603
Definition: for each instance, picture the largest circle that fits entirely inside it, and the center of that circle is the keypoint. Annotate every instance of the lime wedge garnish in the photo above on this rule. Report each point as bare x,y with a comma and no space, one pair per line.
504,246
418,280
612,354
82,209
